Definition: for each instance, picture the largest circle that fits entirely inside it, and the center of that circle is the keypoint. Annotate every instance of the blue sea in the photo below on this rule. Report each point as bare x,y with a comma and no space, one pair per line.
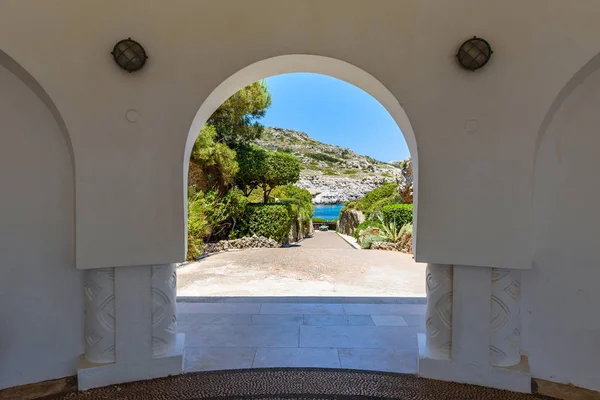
329,212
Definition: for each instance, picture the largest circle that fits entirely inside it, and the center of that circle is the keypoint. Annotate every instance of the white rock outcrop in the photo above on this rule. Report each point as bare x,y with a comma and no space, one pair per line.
242,243
336,190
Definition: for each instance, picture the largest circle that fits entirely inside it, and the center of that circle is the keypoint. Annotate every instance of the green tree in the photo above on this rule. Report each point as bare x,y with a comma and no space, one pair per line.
279,169
236,120
213,165
252,165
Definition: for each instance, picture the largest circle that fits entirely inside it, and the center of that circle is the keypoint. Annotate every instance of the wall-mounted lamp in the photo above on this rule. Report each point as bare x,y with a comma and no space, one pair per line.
129,55
474,53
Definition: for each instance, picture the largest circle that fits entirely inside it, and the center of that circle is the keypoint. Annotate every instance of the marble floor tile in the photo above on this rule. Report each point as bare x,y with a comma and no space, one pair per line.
243,336
215,358
415,320
290,308
189,322
384,309
277,319
337,320
390,337
218,308
296,357
379,360
388,320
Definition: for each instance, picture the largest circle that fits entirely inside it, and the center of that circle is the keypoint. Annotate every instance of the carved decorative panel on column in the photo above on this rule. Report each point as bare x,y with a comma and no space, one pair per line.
438,316
164,312
505,323
99,289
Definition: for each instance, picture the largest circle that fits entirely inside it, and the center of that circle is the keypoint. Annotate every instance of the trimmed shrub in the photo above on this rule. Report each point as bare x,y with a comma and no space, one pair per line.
269,220
401,214
369,240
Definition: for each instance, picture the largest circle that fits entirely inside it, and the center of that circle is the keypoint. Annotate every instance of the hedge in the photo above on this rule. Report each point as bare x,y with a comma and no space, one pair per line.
269,220
402,214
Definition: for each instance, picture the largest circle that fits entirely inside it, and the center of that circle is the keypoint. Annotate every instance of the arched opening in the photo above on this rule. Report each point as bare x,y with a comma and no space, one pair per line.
314,64
565,257
39,284
214,344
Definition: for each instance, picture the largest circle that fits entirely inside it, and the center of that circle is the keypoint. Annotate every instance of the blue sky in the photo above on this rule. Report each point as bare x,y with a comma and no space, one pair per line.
334,112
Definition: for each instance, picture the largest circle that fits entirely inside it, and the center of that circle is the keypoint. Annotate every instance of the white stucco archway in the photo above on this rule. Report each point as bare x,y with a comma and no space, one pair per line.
313,64
38,278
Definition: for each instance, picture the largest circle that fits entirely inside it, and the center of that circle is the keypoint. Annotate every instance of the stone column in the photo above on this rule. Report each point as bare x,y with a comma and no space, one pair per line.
131,331
438,315
505,321
99,303
164,308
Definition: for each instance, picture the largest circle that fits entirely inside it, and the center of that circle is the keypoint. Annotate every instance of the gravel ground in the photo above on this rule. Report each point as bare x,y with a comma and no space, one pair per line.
324,265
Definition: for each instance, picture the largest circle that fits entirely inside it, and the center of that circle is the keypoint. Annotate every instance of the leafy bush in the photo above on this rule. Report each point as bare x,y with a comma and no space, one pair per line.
213,165
197,226
400,214
293,192
269,220
351,205
350,172
369,240
322,157
407,228
302,198
390,231
330,172
386,192
211,216
366,225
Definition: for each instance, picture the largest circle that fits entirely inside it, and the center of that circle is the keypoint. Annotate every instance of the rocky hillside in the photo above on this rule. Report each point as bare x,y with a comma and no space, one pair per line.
331,173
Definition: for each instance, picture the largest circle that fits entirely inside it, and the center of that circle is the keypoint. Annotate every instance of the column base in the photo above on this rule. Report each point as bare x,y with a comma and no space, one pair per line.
516,378
90,375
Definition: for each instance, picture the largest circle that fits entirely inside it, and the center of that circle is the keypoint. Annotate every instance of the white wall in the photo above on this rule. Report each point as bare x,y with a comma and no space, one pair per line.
561,294
475,187
129,186
41,304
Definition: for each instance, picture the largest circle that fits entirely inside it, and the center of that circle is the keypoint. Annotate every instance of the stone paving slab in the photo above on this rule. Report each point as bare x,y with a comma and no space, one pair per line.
243,336
216,358
337,320
389,320
191,322
380,359
384,309
218,308
277,319
296,357
280,308
366,337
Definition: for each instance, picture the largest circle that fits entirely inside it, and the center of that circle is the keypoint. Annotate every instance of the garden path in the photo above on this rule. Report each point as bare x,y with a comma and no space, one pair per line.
321,266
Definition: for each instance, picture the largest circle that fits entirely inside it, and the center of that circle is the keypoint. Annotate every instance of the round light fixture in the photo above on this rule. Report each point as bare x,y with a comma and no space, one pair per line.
129,55
474,53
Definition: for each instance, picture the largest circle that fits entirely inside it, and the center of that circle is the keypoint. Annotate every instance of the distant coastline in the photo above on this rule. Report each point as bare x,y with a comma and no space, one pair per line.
329,212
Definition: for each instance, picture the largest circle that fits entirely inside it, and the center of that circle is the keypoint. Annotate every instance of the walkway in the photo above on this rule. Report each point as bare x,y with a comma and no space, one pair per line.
324,266
378,337
303,306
